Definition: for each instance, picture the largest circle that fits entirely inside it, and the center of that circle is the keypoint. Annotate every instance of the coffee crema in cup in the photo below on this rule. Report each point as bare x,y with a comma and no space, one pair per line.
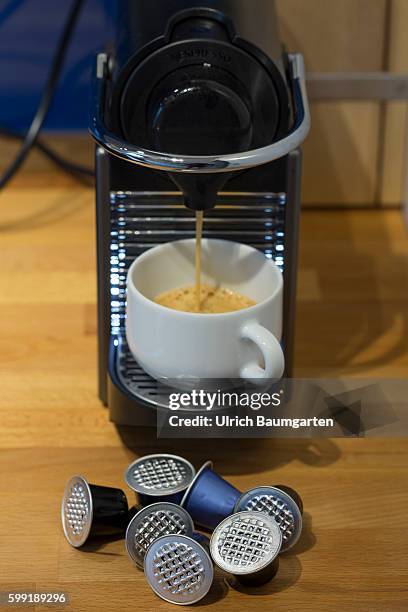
213,299
203,298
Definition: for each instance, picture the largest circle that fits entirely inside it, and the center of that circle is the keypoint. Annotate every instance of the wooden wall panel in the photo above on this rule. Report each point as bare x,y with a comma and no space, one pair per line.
335,34
341,152
396,127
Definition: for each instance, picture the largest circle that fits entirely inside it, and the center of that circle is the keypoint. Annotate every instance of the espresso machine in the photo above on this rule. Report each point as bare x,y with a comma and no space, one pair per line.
196,106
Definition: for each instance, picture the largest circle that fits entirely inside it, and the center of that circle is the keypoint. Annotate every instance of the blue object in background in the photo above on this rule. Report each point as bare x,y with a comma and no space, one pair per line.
29,33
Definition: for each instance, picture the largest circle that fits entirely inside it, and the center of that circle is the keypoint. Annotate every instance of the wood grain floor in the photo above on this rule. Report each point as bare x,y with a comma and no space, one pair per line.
352,321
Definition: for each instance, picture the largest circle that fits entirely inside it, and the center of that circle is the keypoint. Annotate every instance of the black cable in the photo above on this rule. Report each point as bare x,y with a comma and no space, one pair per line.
47,95
76,170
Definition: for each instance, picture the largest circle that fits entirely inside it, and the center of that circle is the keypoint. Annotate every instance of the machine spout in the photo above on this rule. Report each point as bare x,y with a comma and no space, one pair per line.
200,190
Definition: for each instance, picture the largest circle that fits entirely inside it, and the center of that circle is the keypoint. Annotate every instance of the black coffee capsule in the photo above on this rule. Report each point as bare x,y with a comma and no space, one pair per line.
293,494
247,544
152,522
89,510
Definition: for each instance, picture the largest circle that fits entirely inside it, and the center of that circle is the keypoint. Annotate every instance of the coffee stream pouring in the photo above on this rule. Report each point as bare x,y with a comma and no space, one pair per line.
199,98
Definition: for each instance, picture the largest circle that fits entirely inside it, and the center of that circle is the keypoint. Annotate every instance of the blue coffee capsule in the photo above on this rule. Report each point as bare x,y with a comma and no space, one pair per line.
247,545
178,569
202,539
209,498
281,503
160,477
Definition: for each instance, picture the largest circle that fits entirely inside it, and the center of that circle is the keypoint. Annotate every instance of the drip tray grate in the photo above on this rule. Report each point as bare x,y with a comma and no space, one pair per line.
134,378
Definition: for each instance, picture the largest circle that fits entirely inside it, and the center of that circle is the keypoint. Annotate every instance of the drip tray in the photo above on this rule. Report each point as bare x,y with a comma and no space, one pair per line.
133,378
144,389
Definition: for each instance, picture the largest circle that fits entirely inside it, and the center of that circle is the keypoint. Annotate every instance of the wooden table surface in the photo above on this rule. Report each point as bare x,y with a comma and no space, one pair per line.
352,321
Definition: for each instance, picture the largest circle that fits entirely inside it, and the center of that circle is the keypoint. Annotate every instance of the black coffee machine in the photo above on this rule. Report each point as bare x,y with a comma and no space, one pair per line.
196,107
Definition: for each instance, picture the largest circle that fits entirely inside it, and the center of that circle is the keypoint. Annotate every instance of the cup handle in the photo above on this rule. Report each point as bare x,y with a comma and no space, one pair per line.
271,351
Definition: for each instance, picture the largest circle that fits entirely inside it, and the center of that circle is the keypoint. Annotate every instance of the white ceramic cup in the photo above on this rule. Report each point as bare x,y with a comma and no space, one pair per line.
179,348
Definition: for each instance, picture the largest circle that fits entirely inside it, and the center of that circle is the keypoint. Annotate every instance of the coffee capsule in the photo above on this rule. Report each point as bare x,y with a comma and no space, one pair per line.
280,505
178,569
132,511
293,494
209,498
152,522
202,539
247,544
159,477
89,510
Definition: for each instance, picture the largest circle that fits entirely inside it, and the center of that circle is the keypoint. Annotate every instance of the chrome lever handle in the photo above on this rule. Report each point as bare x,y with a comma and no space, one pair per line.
206,163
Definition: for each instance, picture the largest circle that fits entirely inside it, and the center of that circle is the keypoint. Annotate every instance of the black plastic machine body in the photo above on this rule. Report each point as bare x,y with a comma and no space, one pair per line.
196,106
